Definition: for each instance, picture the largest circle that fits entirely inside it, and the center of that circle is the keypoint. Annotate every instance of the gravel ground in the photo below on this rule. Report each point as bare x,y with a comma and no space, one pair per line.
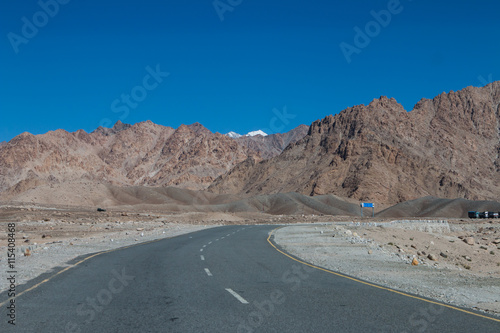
378,251
362,251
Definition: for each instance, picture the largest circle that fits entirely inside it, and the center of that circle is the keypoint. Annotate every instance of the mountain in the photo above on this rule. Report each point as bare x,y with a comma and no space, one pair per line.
118,127
148,154
255,133
446,147
272,145
233,135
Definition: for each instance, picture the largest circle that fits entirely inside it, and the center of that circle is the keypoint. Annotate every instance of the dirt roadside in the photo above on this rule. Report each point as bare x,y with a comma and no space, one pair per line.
48,237
456,262
466,271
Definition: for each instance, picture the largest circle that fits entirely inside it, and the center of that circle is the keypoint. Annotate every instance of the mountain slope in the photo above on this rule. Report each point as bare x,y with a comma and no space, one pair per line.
446,147
437,207
142,154
172,199
272,145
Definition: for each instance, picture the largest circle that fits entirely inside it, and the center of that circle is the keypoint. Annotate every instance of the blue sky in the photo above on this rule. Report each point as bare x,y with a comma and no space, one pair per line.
267,65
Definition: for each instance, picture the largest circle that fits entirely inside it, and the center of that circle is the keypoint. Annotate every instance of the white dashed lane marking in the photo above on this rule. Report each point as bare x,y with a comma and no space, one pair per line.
203,258
237,296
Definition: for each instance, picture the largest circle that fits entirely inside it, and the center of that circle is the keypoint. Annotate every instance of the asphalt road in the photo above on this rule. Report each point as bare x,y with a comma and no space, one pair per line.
226,279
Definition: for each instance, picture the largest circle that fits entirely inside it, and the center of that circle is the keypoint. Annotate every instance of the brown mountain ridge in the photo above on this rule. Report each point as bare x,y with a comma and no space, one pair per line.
148,154
447,147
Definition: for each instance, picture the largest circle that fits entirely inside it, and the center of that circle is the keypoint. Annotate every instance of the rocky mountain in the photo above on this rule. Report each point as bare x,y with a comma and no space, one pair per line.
255,133
141,154
235,135
446,147
272,145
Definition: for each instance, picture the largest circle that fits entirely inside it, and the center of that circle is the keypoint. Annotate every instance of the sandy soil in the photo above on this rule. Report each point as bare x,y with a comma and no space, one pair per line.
458,273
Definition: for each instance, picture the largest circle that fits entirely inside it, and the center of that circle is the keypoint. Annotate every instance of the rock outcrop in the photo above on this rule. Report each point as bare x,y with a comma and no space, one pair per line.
446,147
142,154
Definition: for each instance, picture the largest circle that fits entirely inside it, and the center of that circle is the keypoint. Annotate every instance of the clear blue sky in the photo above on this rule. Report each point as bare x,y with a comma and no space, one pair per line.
230,74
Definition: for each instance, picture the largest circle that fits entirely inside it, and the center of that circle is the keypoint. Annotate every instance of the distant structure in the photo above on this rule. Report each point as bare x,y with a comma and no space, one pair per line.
367,204
483,215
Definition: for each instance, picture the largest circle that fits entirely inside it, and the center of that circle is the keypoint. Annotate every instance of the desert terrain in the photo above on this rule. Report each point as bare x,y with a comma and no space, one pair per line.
72,194
453,260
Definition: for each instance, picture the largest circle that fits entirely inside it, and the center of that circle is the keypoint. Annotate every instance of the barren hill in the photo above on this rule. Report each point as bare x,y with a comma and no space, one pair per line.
141,154
446,147
173,199
438,207
273,144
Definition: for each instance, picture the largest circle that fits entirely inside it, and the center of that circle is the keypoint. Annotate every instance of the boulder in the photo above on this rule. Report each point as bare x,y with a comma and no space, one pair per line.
469,240
432,257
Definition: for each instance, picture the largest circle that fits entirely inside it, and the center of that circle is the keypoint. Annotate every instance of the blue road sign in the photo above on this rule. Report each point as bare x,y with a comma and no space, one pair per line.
367,204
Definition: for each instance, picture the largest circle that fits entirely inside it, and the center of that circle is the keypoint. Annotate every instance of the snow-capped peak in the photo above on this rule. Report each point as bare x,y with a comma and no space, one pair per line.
233,135
254,133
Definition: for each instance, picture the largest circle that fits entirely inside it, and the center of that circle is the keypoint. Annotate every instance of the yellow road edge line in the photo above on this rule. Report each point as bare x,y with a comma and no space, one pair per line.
371,284
78,263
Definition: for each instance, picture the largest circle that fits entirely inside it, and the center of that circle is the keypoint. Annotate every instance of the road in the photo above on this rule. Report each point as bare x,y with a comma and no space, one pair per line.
225,279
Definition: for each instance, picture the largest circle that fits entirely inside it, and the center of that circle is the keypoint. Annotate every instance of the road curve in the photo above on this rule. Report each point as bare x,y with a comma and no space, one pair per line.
225,279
